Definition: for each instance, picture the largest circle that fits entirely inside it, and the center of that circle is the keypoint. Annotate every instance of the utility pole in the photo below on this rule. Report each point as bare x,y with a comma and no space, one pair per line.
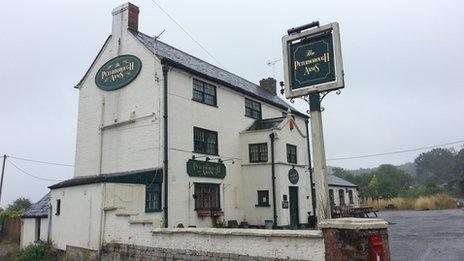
3,174
320,167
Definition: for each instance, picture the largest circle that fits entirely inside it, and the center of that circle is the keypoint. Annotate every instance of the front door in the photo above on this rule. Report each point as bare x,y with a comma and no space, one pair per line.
294,213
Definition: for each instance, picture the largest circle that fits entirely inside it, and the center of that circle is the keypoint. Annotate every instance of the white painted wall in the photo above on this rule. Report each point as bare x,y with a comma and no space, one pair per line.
80,217
29,230
280,244
345,191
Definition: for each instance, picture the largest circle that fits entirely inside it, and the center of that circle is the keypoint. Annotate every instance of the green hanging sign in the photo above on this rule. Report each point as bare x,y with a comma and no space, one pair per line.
293,176
118,72
313,61
205,169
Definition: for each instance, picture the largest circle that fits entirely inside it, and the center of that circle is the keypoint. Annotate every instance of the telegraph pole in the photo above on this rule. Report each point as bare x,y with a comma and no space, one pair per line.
320,168
3,174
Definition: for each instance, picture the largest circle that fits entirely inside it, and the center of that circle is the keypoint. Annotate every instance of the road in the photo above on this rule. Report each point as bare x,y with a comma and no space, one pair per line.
436,235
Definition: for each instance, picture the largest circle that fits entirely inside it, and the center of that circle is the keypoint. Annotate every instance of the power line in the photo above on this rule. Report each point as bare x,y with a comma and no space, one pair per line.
187,33
30,175
43,162
396,152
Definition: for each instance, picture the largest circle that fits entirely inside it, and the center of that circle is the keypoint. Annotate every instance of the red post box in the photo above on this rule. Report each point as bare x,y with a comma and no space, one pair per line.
376,252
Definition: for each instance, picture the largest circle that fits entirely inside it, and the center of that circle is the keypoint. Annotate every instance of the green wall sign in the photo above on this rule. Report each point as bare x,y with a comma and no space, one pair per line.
118,72
312,61
196,168
293,176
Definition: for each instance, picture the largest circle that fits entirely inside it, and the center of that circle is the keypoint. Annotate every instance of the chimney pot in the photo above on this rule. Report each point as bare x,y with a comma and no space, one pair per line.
269,84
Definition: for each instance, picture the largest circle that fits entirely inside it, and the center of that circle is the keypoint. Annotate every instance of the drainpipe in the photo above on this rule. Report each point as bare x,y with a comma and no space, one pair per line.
274,207
165,162
310,168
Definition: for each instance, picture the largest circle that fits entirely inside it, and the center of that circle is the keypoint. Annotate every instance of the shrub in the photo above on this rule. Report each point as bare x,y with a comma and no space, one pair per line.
40,251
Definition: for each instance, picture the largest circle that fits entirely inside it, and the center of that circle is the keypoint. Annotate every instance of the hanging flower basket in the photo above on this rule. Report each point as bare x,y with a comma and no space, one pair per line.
203,213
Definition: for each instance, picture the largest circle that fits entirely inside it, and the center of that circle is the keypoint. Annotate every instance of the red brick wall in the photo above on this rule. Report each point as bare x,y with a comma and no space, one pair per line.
351,244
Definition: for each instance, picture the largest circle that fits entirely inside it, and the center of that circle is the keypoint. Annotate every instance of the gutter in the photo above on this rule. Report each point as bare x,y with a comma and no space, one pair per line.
310,168
165,161
274,207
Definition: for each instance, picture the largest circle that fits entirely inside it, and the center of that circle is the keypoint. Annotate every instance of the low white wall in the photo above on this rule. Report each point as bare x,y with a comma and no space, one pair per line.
29,228
284,244
27,231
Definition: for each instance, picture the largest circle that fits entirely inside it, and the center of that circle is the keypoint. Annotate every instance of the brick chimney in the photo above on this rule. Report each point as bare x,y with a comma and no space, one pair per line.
125,16
269,84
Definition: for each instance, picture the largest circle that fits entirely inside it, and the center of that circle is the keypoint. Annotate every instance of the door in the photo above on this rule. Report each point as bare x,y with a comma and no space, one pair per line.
294,213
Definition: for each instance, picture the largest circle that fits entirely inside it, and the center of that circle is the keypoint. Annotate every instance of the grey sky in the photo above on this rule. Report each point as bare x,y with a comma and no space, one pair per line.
404,82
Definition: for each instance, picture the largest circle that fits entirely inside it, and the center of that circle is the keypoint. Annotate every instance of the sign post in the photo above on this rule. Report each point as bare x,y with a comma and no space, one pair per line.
313,66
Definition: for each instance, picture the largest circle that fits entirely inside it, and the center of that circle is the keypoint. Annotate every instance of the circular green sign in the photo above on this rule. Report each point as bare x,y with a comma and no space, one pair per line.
118,72
293,176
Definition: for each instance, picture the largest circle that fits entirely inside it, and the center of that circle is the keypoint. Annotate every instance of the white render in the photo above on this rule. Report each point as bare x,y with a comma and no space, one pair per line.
281,244
29,230
345,190
122,131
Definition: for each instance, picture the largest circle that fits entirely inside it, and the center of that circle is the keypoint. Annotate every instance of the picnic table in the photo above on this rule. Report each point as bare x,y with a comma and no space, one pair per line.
346,211
363,212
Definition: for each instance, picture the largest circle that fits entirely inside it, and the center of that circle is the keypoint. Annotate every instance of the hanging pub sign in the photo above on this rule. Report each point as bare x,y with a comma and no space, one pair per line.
206,169
118,72
312,61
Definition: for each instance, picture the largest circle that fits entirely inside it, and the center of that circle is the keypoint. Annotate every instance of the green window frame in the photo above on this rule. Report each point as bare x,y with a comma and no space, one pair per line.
291,154
205,141
153,197
252,109
258,152
204,93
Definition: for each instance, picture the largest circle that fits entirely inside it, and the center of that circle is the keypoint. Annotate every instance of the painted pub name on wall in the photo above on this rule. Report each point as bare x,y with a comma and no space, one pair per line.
205,169
118,72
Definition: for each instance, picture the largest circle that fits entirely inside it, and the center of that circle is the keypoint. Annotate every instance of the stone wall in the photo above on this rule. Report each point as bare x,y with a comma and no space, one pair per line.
216,243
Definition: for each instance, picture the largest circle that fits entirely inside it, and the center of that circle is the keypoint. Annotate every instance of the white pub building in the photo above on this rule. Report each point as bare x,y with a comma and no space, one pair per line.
165,139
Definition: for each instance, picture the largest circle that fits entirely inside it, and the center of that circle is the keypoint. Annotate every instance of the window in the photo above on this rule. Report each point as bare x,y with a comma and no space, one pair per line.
258,152
263,198
350,196
291,154
58,207
341,194
252,109
207,196
204,92
205,141
153,197
331,196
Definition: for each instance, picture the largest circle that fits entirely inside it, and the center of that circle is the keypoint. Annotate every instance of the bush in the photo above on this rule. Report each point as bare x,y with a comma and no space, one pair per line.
40,251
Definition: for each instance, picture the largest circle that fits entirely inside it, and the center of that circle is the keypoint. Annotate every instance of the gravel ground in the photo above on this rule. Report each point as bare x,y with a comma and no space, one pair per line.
436,235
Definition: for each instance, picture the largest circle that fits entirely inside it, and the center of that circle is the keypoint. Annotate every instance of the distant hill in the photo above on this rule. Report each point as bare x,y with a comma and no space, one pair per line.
409,168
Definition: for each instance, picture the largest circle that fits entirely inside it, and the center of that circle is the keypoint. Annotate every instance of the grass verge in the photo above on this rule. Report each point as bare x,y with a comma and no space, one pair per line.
430,202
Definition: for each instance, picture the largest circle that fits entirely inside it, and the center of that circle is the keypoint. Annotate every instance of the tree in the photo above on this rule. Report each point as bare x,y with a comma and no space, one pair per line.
440,163
20,204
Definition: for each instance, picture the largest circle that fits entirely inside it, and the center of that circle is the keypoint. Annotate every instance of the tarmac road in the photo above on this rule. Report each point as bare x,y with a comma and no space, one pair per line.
436,235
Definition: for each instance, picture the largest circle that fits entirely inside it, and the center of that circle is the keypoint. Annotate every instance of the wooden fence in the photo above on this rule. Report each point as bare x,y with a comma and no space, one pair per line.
11,229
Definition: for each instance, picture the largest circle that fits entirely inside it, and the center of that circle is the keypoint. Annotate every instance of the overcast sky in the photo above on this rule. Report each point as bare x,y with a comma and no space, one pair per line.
402,59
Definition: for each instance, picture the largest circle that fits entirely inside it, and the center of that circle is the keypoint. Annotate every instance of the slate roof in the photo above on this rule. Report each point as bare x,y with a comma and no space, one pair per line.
39,209
337,181
132,177
266,124
177,58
